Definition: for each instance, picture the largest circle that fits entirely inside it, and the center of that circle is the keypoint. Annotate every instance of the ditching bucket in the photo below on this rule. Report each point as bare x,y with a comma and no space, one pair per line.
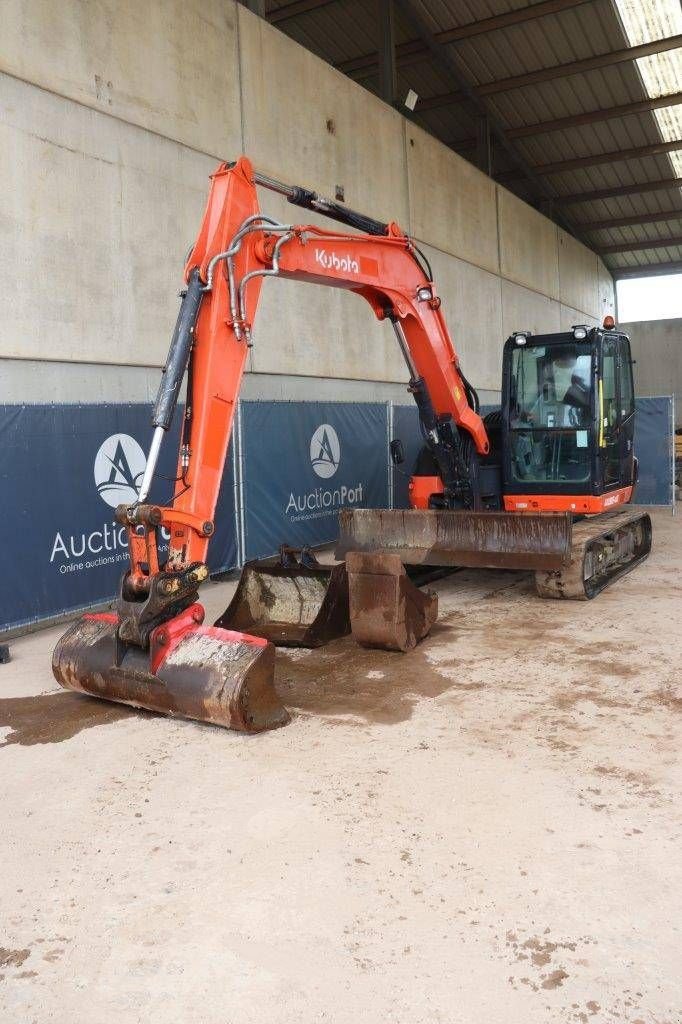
190,671
292,600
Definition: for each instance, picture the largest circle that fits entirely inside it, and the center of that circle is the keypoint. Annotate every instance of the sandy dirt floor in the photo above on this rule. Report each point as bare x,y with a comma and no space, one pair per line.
485,830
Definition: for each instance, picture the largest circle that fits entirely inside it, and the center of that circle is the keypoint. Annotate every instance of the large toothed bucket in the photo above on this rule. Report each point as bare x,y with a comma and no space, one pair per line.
207,674
292,600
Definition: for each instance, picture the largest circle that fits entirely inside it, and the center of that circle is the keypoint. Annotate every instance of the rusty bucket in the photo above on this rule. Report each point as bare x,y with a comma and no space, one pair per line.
189,671
481,540
292,600
386,609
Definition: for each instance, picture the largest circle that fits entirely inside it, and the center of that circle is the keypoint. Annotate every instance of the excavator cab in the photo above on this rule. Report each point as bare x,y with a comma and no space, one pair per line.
563,447
568,421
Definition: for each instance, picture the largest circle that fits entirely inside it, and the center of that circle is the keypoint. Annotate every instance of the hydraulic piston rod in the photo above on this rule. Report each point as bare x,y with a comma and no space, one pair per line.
172,375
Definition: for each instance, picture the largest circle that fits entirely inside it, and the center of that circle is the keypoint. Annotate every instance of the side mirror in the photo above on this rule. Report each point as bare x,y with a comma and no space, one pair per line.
397,452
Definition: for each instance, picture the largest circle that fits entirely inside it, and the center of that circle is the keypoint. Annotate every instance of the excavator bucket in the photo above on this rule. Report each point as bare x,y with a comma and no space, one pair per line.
386,609
190,671
489,540
292,600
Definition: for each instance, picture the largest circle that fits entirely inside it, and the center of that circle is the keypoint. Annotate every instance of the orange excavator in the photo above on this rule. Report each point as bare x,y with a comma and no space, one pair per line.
539,486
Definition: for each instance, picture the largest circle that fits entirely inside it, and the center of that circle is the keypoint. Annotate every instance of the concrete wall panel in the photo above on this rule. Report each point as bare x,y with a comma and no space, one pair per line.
473,312
569,317
657,348
526,310
97,211
578,269
167,65
607,292
528,245
317,331
452,203
96,219
306,124
310,330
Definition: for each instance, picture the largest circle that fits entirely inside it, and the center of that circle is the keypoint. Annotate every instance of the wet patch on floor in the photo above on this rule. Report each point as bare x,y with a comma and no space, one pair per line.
13,957
555,979
668,697
54,717
566,700
345,681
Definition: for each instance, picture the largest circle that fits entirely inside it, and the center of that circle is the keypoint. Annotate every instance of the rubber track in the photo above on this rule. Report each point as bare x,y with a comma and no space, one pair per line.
569,583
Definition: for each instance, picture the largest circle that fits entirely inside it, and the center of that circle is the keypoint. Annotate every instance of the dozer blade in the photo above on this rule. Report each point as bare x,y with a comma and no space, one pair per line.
190,671
292,600
487,540
386,609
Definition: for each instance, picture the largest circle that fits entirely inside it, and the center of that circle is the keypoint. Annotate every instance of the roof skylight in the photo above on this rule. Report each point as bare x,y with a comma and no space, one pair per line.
644,21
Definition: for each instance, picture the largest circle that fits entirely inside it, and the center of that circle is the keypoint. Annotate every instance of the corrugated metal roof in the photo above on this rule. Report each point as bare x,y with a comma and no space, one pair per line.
344,30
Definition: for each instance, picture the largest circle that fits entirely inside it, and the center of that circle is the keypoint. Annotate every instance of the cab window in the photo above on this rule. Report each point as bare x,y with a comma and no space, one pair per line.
609,408
551,413
627,397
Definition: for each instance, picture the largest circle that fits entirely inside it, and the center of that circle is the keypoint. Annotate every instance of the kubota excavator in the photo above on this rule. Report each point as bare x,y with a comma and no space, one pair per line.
533,487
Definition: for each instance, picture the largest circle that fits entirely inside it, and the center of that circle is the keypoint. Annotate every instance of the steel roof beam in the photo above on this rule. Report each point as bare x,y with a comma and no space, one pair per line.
416,48
588,117
650,243
593,116
618,190
575,67
634,218
388,78
653,270
616,155
295,8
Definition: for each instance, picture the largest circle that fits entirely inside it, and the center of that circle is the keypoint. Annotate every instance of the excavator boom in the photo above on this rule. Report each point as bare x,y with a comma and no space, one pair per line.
154,651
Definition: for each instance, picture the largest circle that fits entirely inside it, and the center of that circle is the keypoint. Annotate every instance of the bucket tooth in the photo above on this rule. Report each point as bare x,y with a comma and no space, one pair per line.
386,609
208,674
289,602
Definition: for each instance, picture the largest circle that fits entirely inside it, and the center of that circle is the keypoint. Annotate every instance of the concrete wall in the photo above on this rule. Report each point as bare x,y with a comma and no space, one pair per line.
657,349
113,114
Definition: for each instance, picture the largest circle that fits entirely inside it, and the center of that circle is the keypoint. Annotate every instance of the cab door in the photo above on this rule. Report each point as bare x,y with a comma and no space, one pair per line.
626,412
609,415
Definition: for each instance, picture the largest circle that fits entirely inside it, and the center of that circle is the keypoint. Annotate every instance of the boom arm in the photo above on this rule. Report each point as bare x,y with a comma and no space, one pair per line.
236,248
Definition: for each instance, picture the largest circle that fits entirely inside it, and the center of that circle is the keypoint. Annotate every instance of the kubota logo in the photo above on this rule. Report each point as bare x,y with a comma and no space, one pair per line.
325,451
330,261
119,468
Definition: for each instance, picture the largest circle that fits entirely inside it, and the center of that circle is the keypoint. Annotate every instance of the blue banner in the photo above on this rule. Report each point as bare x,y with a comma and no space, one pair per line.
302,462
654,440
63,470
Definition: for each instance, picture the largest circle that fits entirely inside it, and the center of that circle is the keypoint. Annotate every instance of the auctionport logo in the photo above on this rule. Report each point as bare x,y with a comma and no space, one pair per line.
325,451
119,468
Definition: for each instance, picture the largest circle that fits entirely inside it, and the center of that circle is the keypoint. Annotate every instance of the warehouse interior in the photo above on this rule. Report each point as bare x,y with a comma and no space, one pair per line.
487,826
